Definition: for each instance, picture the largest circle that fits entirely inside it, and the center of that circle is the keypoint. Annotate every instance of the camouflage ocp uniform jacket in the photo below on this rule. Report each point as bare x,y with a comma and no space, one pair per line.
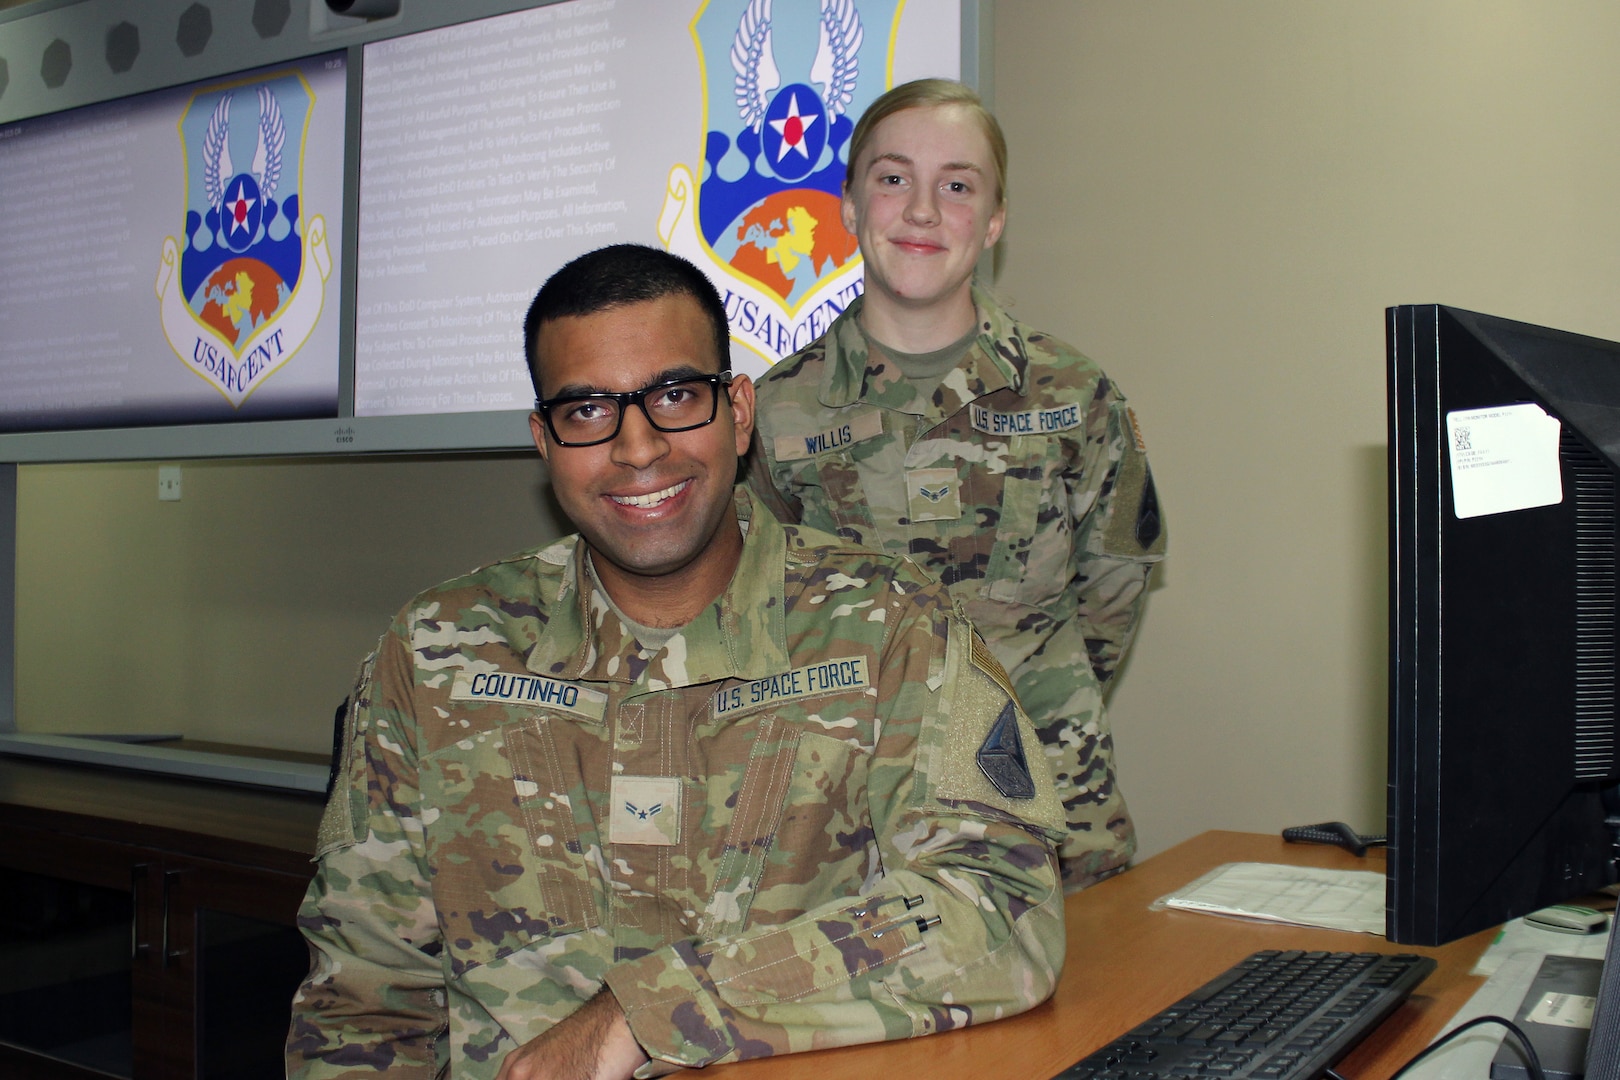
1023,485
774,834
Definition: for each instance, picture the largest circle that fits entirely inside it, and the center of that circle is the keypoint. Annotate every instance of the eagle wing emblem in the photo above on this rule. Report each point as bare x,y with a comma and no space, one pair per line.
266,168
836,65
754,63
272,137
217,170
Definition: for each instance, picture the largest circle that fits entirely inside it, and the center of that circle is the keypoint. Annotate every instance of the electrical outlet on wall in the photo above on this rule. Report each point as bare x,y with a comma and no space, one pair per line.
168,483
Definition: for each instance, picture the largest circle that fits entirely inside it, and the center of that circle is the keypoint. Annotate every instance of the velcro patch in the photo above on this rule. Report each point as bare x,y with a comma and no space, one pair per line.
827,677
646,810
1135,527
343,822
981,759
865,424
509,689
1027,422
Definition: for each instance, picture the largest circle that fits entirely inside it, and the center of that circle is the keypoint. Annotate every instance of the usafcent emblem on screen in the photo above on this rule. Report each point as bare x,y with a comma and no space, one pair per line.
781,87
243,286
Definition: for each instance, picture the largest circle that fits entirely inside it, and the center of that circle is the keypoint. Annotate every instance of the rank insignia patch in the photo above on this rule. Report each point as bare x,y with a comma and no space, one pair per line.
933,494
646,810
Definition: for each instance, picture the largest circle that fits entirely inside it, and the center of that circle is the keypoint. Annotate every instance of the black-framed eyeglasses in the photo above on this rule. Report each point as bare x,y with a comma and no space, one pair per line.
677,405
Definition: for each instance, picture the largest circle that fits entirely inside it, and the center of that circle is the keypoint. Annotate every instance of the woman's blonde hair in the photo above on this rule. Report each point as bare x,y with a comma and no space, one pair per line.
925,93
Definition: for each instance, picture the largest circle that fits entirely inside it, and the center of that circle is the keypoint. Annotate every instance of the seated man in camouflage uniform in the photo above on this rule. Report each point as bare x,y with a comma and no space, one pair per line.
688,787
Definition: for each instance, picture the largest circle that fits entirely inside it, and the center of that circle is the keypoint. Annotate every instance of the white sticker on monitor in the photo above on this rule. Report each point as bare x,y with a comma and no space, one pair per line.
1563,1010
1503,459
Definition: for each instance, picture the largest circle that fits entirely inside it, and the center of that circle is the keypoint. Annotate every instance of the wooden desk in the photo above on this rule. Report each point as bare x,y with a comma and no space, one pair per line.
1125,963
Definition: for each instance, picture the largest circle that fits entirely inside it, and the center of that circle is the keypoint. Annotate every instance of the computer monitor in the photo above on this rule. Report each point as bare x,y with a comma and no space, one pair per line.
1504,456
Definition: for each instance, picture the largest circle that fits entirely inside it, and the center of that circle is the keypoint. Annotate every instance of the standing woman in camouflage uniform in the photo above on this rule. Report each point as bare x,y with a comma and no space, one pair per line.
928,422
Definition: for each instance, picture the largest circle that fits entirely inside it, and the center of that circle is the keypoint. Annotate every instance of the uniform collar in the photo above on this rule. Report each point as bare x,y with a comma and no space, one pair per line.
742,634
997,359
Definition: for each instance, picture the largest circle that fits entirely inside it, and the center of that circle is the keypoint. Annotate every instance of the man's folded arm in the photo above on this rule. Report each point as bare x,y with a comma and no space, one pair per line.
962,923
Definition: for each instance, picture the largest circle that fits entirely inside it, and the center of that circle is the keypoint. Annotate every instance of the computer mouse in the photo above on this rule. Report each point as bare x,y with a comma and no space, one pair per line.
1568,919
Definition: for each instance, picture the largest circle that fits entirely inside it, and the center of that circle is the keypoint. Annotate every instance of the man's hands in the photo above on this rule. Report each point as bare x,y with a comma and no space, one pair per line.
593,1043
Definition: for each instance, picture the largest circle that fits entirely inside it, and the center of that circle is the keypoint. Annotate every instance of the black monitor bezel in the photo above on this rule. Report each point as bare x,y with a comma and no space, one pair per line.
1487,820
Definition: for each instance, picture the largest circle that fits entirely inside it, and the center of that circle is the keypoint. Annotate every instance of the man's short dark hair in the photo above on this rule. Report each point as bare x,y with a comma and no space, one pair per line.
615,275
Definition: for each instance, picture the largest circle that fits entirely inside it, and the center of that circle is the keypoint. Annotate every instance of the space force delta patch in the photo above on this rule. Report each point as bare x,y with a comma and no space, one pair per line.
1028,422
826,677
508,689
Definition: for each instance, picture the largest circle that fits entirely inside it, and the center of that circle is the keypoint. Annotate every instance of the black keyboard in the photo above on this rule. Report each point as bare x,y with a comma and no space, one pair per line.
1275,1016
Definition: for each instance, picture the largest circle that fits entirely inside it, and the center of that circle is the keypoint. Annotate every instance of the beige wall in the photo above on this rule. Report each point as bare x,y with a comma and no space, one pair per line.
240,613
1217,201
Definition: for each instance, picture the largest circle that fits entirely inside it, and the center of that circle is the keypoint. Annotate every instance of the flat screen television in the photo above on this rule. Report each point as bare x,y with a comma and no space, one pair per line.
1504,454
174,258
331,251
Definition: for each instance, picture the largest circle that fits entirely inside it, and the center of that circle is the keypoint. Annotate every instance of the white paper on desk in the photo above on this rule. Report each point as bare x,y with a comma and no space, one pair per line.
1503,459
1517,935
1298,895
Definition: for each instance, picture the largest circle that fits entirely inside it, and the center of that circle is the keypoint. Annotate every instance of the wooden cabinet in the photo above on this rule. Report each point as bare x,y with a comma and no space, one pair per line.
148,926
